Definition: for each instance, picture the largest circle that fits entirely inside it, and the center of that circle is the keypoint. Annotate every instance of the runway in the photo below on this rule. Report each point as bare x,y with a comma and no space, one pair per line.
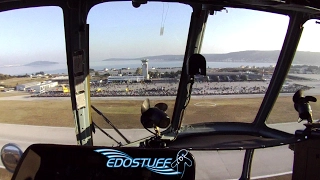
209,164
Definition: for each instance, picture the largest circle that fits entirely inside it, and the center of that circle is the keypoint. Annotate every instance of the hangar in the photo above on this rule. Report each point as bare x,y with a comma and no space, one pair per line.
37,87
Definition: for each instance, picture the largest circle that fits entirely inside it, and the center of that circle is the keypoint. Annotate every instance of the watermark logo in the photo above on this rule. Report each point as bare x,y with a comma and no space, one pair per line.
164,166
181,162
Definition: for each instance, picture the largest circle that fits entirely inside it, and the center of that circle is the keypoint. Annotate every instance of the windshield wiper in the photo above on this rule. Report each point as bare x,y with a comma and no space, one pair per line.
109,122
104,132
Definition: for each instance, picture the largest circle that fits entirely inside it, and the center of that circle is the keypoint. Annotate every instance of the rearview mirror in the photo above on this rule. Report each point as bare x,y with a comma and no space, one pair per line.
10,156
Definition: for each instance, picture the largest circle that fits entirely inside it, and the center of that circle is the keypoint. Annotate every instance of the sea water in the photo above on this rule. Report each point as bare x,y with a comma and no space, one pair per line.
100,65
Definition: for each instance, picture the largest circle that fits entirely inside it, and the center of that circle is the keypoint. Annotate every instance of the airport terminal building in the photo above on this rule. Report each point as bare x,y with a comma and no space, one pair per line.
36,87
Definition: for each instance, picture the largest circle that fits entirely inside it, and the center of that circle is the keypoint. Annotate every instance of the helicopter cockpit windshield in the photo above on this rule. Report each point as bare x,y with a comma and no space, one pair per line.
142,59
138,57
185,75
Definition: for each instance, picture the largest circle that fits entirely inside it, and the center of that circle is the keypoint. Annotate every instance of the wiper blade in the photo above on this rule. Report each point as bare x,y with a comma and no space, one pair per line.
104,132
109,122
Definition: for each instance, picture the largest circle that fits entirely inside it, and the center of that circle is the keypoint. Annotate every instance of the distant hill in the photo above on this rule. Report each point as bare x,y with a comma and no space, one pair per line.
301,57
41,63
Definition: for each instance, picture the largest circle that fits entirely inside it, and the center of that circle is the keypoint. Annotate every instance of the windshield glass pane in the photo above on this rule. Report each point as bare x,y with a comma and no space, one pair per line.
304,75
135,54
33,64
240,62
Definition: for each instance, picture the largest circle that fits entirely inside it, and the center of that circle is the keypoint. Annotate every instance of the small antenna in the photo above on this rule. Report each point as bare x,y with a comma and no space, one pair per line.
161,31
163,20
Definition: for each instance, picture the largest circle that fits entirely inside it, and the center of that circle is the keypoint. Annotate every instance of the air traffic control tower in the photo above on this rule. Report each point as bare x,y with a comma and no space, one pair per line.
145,68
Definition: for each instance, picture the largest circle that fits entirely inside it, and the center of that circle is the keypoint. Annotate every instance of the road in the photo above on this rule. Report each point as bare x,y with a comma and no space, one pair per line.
210,164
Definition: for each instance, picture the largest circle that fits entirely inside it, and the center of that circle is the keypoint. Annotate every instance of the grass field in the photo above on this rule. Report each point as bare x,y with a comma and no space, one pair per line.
126,113
12,93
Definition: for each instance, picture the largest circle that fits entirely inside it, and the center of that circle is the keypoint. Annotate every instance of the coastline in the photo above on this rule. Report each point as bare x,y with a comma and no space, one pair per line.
100,65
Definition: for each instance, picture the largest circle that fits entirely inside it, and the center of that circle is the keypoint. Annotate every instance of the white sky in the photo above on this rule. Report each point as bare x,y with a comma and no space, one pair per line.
119,30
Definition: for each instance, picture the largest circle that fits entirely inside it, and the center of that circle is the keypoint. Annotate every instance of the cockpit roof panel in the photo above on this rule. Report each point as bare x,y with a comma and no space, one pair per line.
311,7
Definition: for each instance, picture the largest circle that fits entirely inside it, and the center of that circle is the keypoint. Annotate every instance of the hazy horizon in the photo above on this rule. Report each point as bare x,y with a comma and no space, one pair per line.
37,34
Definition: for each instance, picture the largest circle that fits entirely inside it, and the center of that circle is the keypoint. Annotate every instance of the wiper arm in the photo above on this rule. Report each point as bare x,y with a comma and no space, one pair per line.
109,122
104,132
